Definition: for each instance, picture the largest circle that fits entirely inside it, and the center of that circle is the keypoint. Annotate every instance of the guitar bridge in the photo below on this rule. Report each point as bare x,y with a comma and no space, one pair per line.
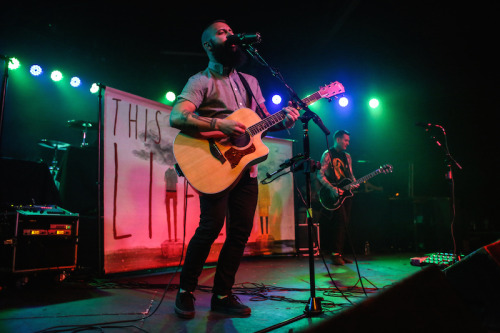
215,151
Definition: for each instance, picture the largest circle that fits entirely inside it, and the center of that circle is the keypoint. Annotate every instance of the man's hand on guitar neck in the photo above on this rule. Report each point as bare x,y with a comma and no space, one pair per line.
292,114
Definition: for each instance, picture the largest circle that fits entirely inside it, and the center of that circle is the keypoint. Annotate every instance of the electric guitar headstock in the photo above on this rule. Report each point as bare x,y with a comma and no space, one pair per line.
386,168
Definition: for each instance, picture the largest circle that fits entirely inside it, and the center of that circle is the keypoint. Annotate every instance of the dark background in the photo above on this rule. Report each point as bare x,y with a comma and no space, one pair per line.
430,62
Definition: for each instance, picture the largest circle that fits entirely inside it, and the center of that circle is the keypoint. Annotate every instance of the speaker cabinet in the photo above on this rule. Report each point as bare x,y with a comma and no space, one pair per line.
38,238
302,239
476,278
423,302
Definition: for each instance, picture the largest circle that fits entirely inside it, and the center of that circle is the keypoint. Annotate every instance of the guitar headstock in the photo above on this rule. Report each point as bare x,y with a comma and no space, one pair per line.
387,168
331,90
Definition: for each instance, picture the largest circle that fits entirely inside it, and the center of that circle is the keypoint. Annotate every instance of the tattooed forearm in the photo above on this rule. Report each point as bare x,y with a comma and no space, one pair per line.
185,115
203,119
184,124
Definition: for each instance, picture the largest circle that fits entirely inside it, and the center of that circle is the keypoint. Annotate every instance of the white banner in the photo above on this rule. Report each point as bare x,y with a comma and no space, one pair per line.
144,198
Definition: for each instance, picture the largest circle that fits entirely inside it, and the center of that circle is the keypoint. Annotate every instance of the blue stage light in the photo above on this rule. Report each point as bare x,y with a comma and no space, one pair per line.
36,70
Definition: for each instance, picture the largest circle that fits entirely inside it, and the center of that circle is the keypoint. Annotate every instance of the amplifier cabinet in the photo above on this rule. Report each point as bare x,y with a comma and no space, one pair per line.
38,239
302,239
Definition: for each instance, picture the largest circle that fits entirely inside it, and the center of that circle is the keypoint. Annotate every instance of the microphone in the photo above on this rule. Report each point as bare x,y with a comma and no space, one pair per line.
292,160
243,39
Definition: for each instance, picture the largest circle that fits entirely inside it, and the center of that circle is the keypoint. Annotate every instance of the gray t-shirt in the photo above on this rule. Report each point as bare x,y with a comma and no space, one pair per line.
217,94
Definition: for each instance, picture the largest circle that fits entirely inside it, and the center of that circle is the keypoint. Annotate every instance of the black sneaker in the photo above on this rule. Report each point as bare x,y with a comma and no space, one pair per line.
347,261
337,260
230,304
184,305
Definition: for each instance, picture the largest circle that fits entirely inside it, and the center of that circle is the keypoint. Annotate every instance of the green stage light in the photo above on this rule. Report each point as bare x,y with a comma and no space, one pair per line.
374,103
14,63
170,96
95,88
56,76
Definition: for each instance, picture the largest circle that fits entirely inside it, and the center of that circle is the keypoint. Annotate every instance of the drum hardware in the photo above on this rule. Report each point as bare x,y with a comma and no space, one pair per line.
84,126
56,145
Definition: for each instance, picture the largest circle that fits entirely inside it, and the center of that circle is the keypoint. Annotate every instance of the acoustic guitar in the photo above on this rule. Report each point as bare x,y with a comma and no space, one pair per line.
214,165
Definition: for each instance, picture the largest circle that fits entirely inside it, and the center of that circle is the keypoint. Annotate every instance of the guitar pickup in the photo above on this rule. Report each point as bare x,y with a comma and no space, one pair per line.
216,151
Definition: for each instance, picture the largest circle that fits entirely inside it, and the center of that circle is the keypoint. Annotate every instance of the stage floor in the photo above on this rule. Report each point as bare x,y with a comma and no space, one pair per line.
276,288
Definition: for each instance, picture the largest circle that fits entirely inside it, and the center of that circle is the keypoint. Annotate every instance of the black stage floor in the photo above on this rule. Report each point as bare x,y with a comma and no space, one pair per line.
392,295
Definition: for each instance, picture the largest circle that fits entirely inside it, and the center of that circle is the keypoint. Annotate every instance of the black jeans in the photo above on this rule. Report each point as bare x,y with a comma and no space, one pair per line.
334,226
239,205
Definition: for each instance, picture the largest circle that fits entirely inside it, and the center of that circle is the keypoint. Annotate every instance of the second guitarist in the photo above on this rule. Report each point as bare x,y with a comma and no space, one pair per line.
336,166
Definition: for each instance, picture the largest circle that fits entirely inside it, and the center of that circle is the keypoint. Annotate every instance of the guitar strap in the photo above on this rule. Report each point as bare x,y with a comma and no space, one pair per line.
259,110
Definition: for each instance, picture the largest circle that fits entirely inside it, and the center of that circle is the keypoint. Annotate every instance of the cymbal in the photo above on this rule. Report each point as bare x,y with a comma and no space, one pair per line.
53,144
82,125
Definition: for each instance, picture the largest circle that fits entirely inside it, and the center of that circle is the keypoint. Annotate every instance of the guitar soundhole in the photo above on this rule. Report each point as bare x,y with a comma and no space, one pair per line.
241,141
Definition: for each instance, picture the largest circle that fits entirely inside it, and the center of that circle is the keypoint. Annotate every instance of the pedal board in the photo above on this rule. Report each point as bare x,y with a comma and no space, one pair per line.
441,259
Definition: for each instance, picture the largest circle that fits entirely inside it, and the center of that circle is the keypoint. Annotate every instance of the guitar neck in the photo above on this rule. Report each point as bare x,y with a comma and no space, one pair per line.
312,98
272,120
267,123
363,179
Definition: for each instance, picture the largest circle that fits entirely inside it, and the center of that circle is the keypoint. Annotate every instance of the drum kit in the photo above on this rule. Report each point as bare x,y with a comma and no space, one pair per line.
57,146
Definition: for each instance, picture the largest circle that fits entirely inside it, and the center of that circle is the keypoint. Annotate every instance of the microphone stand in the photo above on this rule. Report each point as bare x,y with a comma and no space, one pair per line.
100,178
2,95
450,161
313,307
448,158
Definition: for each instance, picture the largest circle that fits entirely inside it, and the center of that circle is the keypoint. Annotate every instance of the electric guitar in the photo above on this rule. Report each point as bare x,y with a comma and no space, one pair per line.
330,201
214,165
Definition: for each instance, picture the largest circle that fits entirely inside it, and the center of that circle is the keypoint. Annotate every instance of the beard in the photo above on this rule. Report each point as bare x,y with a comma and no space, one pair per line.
229,56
